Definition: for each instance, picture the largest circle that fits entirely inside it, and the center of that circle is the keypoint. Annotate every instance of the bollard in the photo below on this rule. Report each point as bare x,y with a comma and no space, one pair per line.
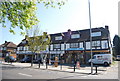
96,69
39,64
46,65
74,67
61,67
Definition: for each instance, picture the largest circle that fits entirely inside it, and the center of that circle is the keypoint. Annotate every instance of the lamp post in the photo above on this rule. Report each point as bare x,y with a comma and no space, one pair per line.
90,36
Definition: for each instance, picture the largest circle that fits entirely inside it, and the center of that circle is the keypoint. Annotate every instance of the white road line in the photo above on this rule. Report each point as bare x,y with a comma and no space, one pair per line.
25,74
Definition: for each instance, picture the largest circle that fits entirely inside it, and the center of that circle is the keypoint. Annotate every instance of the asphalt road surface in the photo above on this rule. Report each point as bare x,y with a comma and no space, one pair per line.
14,72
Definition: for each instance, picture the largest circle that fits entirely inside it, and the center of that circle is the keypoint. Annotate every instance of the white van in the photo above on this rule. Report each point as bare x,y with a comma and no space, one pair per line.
105,59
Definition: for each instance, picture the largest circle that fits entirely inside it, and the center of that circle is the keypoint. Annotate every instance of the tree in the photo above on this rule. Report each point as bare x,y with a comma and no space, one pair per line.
116,44
22,14
37,41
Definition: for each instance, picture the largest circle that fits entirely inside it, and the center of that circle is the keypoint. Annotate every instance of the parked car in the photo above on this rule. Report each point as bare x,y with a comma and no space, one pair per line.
53,61
118,58
26,59
105,59
38,60
10,59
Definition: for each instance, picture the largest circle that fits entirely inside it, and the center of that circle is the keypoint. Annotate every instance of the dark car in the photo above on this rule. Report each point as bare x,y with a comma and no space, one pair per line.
118,58
38,60
53,61
10,59
26,59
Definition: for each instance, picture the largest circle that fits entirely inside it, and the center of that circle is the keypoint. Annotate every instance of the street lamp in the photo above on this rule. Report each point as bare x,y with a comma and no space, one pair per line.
90,36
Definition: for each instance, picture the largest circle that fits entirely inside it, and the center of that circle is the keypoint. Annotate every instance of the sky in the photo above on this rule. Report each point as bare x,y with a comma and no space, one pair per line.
73,15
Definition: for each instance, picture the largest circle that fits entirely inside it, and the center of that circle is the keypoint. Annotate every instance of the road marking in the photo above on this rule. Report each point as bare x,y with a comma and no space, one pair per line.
25,74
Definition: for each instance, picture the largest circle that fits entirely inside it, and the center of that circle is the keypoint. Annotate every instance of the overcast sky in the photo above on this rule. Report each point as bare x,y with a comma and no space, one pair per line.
73,15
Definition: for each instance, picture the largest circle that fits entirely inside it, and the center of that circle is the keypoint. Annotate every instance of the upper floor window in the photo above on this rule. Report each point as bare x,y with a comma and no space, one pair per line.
75,36
74,45
56,45
14,50
58,38
96,43
4,48
81,45
95,34
87,45
51,47
104,44
18,48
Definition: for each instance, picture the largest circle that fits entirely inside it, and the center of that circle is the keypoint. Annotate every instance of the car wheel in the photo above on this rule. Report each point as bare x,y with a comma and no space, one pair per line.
106,64
89,63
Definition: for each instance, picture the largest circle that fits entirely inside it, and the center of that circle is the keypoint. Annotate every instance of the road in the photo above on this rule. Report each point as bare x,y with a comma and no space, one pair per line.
17,72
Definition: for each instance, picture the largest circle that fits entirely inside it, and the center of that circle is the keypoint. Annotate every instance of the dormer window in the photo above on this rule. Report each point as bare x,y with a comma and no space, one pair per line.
95,34
23,42
58,38
73,36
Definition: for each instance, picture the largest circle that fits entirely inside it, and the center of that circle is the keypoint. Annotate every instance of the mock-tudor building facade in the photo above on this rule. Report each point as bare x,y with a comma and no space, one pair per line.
72,45
8,49
68,44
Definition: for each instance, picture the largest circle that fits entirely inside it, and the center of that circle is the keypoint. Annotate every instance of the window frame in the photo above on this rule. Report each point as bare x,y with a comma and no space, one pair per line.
75,36
96,34
74,45
58,38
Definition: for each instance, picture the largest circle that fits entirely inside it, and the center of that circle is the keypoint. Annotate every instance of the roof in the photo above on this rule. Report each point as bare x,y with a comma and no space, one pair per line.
23,44
84,35
9,44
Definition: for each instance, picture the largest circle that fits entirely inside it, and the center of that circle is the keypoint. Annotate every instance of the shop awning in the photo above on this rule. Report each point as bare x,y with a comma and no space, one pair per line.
41,52
75,49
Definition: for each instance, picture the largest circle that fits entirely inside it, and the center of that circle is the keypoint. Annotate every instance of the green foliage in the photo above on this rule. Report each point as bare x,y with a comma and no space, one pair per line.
22,14
37,40
116,44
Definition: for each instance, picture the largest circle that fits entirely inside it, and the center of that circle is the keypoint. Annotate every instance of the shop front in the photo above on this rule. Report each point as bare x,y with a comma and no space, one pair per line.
74,54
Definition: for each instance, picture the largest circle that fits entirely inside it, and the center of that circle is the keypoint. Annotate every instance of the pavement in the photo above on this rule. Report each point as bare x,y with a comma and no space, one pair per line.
82,70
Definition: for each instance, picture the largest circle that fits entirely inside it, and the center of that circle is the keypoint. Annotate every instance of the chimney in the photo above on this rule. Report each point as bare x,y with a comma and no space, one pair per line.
69,31
5,41
107,27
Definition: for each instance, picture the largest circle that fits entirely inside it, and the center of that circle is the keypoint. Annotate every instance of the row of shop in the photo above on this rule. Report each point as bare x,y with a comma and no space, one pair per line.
67,56
72,45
